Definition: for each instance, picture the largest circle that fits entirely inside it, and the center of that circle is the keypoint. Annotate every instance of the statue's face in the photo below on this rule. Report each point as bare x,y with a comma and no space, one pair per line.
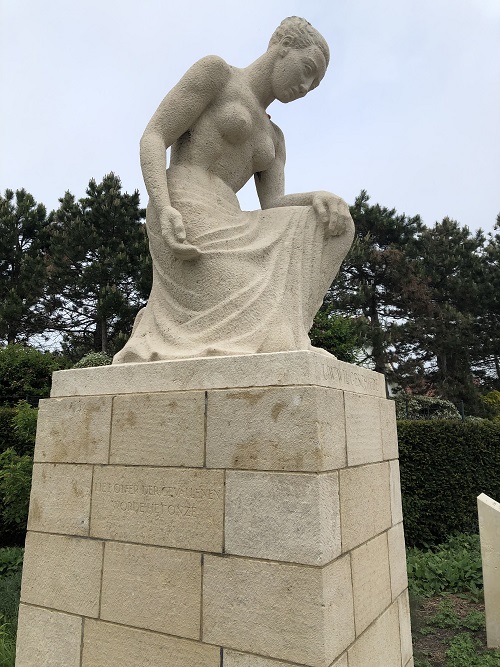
297,71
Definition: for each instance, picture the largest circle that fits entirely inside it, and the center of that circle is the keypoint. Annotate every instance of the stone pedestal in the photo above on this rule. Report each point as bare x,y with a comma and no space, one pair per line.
234,511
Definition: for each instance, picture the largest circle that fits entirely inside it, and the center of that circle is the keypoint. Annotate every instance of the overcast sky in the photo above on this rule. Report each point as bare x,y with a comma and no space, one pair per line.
409,109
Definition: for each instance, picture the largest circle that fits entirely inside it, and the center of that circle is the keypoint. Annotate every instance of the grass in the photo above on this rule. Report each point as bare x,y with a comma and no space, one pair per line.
11,559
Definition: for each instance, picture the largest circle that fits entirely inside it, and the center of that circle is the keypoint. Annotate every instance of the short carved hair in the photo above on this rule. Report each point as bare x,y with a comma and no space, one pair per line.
301,34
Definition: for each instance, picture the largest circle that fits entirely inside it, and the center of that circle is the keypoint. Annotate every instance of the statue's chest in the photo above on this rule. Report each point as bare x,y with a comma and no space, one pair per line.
248,129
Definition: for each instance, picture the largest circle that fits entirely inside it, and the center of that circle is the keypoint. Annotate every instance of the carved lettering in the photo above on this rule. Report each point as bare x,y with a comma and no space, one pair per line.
348,377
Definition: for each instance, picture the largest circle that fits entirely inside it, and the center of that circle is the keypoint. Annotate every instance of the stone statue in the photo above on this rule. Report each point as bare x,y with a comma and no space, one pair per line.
227,281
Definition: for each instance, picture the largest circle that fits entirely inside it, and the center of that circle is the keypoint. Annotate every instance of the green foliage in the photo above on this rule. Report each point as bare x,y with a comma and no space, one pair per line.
15,486
445,465
452,567
409,406
26,373
7,435
23,267
464,652
11,560
94,359
7,645
335,334
101,266
24,425
492,401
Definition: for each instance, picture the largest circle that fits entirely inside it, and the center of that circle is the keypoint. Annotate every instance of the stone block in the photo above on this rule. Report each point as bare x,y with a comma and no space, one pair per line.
167,582
292,517
363,432
276,428
379,645
365,503
47,638
171,507
73,430
396,503
389,428
237,659
60,498
287,612
159,429
489,530
371,583
397,560
62,573
405,628
250,370
107,645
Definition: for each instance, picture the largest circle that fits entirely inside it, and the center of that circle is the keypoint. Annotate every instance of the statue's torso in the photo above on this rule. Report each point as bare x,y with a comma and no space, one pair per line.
233,138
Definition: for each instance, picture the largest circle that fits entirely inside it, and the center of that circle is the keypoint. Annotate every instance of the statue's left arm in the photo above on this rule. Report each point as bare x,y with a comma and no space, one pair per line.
270,185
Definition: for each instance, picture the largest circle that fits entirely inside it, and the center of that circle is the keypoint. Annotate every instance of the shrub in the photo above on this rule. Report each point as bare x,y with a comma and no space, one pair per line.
24,425
15,485
409,406
93,359
8,437
26,373
445,465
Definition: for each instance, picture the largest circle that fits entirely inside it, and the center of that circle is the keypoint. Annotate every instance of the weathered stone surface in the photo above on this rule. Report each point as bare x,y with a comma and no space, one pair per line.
167,582
365,503
341,662
237,659
73,430
283,516
380,645
405,628
159,429
276,428
389,428
363,432
286,612
60,498
489,530
396,503
47,638
107,645
62,573
172,507
249,370
371,583
397,560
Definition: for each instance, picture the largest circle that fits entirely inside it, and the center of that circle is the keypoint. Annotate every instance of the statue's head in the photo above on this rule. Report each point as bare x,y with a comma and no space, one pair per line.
300,34
302,58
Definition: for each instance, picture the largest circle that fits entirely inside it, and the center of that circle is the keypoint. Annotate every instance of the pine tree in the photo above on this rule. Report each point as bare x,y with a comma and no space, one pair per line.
101,267
378,283
23,267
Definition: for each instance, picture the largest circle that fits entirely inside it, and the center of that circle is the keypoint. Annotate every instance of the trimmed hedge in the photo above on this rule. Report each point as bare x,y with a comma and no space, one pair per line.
445,465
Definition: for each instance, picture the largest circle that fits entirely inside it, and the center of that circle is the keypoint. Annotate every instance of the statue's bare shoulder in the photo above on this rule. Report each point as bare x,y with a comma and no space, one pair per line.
210,73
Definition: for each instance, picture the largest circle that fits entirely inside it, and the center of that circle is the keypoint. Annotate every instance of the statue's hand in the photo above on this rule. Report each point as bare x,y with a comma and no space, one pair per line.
332,210
174,234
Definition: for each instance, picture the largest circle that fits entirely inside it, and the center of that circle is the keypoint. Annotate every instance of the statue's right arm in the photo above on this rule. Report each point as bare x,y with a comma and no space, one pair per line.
178,111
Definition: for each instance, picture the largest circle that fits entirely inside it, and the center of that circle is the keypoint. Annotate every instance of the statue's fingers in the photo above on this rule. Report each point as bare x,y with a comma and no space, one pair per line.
321,210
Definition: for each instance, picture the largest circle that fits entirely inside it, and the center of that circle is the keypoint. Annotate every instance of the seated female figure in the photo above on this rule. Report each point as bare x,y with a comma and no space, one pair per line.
226,281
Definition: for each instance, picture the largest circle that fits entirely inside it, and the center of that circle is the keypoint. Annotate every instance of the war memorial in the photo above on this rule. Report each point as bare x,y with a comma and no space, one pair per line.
224,494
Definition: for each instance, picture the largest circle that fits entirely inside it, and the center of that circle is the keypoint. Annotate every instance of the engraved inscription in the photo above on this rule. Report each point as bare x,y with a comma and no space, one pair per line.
176,507
349,377
170,500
